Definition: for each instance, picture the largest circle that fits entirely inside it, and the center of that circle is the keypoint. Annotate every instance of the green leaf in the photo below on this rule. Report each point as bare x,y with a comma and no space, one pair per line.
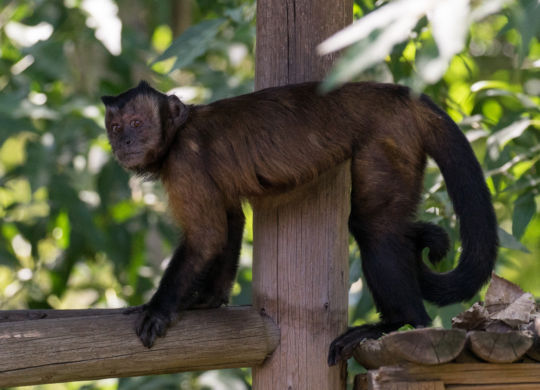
406,327
524,211
7,258
508,241
192,43
510,132
524,19
449,29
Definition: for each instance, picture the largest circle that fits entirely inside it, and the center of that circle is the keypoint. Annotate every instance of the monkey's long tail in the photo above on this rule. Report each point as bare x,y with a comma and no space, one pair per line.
472,203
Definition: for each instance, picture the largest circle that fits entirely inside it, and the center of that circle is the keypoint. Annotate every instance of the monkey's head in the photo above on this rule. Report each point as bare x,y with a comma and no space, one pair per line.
141,124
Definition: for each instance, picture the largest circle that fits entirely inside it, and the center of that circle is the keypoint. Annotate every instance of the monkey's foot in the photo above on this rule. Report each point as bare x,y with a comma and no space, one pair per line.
151,323
342,347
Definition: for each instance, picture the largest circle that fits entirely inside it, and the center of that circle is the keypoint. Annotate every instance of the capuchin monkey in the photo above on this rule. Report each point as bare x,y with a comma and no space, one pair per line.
211,157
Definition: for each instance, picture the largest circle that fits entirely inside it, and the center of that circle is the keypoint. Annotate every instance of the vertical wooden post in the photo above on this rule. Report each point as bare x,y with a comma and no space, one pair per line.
300,271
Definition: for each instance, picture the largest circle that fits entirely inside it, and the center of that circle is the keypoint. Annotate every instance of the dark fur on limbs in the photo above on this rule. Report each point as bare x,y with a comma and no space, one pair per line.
210,157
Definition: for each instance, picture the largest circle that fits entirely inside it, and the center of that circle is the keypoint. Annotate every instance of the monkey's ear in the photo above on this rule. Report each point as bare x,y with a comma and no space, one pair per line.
178,112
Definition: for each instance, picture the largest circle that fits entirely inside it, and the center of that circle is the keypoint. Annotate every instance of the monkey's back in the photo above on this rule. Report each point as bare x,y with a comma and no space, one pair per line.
279,138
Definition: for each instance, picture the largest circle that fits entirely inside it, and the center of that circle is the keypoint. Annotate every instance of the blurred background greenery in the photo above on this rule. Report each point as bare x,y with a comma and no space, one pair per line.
77,231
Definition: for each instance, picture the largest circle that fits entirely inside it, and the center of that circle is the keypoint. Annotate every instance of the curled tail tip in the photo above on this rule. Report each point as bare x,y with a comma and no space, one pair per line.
433,237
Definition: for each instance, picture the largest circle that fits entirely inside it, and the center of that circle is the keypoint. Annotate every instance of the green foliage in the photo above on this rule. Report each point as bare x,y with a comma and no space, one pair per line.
77,231
192,43
406,327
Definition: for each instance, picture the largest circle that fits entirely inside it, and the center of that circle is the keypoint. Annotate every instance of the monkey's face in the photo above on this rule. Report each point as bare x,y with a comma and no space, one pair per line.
141,124
135,132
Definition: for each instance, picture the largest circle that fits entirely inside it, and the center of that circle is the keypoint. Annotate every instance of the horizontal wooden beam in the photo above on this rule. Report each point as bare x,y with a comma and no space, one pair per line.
49,346
457,374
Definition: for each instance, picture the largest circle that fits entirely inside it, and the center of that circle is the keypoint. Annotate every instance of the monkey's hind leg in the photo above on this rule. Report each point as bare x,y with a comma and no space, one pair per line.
390,268
219,279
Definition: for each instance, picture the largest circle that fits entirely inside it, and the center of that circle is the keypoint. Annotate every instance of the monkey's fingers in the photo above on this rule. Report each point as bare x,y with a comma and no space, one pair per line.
151,325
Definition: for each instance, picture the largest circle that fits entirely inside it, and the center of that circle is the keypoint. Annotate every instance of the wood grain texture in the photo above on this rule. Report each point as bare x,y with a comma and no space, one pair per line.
300,280
372,354
300,271
504,386
421,346
409,386
499,347
425,346
63,348
27,315
360,382
288,33
461,374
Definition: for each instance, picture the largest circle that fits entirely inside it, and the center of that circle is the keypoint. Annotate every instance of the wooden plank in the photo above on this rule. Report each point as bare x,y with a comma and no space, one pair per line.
499,347
462,374
411,386
360,382
27,315
300,267
421,346
91,347
373,383
505,386
372,354
425,346
466,356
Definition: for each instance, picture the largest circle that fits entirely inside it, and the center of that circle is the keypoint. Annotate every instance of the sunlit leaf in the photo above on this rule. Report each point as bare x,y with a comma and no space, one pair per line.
368,53
449,28
501,137
405,12
376,34
490,84
192,43
493,88
486,8
524,211
392,24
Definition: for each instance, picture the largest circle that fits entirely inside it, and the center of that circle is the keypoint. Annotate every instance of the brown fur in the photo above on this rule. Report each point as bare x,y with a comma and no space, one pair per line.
266,143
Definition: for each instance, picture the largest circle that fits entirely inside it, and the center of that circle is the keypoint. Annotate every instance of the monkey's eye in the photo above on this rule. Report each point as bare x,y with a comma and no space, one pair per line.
135,123
115,127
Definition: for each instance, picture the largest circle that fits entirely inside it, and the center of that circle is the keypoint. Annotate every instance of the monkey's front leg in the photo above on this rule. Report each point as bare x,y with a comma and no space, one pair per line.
203,241
157,315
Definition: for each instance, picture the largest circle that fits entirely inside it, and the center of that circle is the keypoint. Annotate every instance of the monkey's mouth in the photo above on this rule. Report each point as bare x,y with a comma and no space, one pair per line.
130,159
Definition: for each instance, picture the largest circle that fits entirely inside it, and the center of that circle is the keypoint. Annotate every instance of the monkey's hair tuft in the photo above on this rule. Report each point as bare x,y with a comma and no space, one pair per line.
143,88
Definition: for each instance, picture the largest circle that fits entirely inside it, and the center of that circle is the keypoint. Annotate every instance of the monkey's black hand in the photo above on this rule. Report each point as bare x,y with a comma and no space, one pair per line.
151,323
